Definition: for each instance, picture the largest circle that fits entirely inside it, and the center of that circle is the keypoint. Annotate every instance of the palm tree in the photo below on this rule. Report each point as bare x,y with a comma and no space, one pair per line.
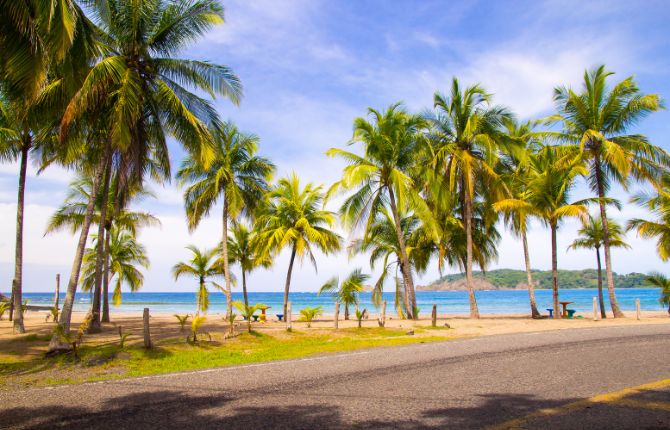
347,292
202,265
125,255
247,311
309,313
591,237
597,120
143,93
546,196
243,250
467,138
663,282
658,204
292,217
236,175
383,177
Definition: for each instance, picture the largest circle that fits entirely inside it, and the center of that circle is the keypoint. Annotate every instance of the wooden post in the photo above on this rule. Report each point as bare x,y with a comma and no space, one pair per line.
337,314
434,315
637,309
288,316
382,315
147,334
57,297
595,309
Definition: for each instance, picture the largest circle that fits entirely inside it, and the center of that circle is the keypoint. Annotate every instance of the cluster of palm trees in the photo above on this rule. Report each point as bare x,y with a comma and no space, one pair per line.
98,87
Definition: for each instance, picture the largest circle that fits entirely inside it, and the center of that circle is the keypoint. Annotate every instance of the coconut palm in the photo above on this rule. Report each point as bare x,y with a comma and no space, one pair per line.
658,204
546,196
309,313
247,311
126,254
292,217
142,93
591,237
203,265
661,281
243,250
467,138
597,120
347,292
384,178
236,176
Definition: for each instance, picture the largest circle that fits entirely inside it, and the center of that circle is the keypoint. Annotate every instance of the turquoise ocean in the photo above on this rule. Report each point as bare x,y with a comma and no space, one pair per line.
448,302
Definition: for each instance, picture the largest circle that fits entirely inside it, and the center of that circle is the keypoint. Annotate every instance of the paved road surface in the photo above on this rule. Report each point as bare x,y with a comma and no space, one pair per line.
531,380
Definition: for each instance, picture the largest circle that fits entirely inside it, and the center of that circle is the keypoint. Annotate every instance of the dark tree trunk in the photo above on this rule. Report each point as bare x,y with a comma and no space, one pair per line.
288,279
106,277
95,326
534,313
601,299
405,269
554,271
17,285
244,287
346,311
606,240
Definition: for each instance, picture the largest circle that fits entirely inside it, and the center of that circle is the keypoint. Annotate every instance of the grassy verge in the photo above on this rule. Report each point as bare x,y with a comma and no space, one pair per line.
109,361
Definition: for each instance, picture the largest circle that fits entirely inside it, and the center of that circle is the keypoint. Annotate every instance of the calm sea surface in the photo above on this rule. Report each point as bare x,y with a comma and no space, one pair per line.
449,302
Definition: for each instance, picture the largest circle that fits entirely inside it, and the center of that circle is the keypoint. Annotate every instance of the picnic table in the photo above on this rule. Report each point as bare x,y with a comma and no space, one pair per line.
565,308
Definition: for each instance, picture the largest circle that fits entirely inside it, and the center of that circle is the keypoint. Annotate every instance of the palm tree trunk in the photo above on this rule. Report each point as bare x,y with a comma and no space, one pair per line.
95,326
554,270
346,311
529,277
106,277
244,287
288,279
66,313
467,218
224,248
606,240
406,270
601,299
17,285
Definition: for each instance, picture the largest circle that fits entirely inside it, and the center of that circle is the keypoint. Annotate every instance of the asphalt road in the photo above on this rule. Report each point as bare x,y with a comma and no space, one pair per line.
531,380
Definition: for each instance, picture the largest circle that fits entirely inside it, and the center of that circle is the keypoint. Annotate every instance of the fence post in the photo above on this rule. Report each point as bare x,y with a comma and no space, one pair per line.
637,308
595,309
147,334
337,314
288,316
382,317
434,316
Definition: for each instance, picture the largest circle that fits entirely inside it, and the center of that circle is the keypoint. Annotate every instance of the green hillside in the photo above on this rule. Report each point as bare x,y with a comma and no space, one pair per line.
588,278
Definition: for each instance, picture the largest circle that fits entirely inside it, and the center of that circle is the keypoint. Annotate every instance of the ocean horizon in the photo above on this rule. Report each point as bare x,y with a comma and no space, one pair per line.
448,302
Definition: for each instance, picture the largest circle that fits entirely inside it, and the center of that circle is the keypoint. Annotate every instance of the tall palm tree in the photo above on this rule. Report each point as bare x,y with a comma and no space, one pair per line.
597,120
292,217
203,265
591,237
243,250
126,254
546,196
661,281
236,176
144,93
467,139
382,244
658,204
348,292
384,178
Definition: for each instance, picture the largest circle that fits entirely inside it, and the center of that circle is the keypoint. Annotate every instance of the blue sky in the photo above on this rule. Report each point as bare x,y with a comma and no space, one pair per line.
309,67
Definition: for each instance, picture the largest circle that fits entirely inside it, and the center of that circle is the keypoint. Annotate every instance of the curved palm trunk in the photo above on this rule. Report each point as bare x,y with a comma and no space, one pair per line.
95,326
529,277
554,271
601,300
56,343
606,240
17,285
469,281
226,271
410,294
244,287
106,278
346,311
288,279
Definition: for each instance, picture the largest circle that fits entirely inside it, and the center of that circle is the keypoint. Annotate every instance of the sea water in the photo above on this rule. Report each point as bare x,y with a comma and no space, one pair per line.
448,302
